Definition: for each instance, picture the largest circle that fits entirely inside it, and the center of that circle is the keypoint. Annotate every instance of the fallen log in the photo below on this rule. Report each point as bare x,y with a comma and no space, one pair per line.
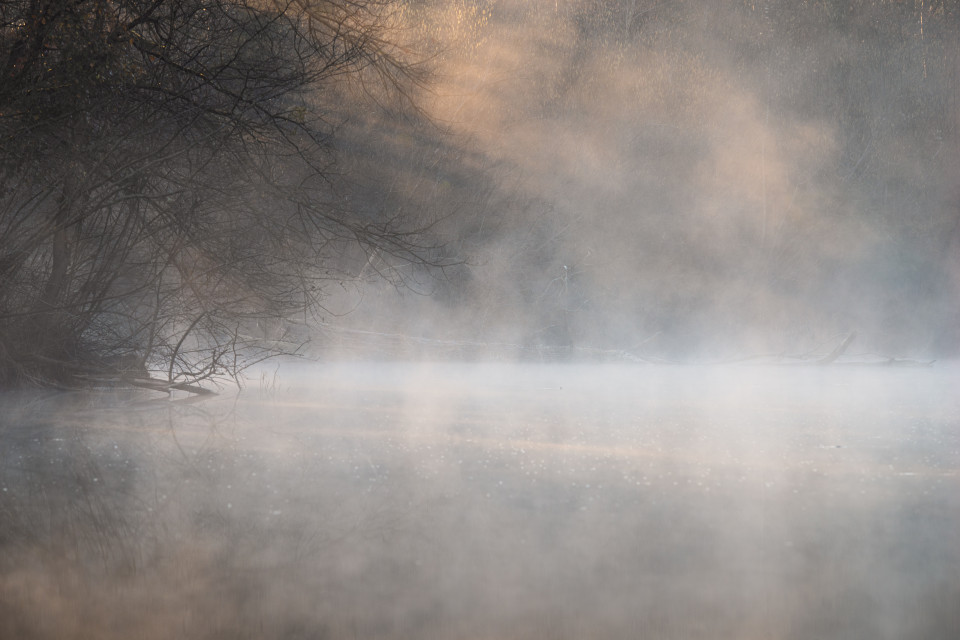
152,384
166,386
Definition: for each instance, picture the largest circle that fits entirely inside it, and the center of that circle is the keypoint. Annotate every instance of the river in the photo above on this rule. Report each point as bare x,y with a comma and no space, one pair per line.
505,501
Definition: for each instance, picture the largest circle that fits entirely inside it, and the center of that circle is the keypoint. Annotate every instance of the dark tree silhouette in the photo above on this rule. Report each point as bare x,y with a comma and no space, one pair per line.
166,180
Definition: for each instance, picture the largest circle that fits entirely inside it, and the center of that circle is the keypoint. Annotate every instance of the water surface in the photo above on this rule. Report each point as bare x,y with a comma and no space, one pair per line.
490,501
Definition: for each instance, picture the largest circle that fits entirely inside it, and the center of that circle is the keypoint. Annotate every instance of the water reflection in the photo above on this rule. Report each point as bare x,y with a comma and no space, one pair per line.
490,501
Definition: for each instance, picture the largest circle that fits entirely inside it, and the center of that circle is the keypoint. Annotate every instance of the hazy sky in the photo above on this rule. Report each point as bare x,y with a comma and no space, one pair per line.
730,177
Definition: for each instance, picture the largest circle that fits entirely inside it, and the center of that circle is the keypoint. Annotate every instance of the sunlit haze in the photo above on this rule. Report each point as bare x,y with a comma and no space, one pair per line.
480,319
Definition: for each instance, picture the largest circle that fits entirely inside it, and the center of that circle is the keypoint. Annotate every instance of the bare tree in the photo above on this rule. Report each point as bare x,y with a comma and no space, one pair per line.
166,177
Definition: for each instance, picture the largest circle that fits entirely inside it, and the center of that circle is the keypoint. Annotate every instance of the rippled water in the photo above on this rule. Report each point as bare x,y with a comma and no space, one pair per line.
490,501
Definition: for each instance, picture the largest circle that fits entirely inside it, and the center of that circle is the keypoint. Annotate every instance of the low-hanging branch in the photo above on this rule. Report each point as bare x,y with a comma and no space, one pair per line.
170,158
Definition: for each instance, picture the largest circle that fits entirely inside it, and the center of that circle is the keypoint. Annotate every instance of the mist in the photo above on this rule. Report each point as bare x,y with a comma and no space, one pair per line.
386,501
480,319
707,181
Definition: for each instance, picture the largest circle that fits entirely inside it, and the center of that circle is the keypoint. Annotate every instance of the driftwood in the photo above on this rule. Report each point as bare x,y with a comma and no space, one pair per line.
78,376
165,386
836,353
140,382
906,362
836,357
